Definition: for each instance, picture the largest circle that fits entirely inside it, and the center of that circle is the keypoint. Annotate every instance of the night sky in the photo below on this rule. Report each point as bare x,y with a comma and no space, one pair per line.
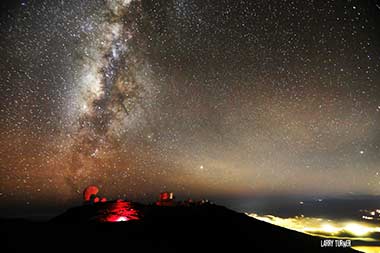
203,98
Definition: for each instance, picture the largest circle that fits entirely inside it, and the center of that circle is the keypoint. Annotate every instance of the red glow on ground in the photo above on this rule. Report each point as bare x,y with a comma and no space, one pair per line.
120,211
122,219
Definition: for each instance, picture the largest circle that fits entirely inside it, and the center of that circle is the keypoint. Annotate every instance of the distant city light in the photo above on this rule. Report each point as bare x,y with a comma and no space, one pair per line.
357,229
323,227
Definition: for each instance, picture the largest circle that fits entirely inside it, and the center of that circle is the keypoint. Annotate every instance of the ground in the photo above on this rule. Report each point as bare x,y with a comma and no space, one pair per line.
204,228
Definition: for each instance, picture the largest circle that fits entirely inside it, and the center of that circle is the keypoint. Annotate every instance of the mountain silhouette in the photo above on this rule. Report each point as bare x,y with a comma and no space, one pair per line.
151,228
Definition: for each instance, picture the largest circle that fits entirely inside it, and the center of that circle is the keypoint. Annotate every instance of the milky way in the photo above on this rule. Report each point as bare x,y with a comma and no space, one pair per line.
204,98
112,85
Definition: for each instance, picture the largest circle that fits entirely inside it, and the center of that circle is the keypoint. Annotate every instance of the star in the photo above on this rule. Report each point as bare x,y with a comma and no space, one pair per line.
215,98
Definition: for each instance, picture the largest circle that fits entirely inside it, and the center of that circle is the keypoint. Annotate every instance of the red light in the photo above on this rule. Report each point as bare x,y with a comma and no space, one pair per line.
165,196
120,211
122,219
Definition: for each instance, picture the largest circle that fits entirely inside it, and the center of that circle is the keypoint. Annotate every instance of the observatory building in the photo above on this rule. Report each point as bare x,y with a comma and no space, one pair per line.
90,195
166,199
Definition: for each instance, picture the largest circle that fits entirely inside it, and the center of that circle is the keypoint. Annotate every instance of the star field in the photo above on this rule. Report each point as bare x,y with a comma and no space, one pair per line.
203,98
